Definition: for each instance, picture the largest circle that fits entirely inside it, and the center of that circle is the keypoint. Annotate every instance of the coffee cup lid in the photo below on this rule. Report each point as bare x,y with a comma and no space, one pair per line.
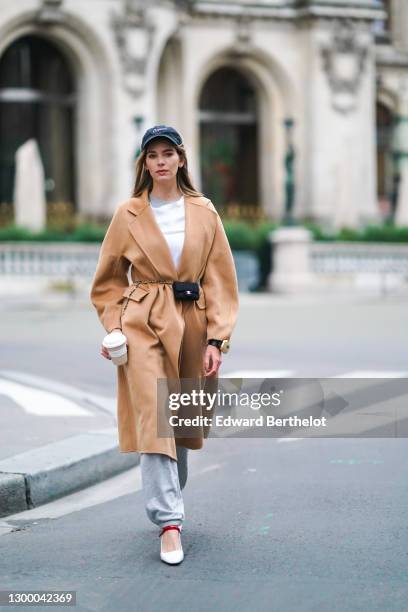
113,340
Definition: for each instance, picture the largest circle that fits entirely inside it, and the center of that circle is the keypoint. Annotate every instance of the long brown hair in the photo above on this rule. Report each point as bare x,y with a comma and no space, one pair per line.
144,180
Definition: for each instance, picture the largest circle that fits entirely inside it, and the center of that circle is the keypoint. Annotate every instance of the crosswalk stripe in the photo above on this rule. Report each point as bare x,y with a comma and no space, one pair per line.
293,374
39,402
258,374
372,374
107,404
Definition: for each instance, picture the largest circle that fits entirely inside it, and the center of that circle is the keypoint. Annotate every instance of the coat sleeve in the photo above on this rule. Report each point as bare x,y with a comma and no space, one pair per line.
110,279
220,285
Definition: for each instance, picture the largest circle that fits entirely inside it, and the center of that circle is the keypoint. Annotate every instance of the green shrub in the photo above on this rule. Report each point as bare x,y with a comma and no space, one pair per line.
262,231
373,233
247,236
240,235
348,233
87,233
82,233
14,232
385,233
317,232
49,235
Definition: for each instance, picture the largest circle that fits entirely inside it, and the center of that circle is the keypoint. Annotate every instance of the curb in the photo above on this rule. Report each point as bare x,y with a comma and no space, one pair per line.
43,474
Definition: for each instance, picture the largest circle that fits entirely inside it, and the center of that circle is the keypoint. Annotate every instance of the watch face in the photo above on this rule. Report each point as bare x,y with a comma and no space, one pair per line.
225,345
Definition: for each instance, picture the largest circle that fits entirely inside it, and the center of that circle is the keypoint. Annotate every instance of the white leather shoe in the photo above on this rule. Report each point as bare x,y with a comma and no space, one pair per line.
174,556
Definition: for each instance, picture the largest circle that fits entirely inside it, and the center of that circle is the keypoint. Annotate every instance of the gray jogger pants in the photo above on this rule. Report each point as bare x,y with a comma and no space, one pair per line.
163,478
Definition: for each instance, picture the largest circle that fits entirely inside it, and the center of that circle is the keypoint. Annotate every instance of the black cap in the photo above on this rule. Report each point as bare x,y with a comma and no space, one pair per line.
161,131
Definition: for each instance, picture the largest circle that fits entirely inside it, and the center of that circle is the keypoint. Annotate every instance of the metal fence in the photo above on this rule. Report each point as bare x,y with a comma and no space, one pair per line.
56,260
361,257
63,261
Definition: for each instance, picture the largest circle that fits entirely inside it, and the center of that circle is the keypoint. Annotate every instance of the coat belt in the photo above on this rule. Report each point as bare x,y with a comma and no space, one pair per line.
137,282
166,282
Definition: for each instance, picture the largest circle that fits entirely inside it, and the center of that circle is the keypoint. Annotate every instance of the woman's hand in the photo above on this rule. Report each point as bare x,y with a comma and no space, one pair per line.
212,360
104,351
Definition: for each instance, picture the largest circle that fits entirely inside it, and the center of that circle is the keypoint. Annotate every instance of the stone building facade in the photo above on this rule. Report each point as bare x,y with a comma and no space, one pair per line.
260,90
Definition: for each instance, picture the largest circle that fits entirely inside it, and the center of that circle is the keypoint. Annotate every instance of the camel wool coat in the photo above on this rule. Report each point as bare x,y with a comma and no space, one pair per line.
166,337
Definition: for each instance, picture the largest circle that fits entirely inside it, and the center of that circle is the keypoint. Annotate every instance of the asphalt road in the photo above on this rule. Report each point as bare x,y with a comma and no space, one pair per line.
299,526
310,337
294,525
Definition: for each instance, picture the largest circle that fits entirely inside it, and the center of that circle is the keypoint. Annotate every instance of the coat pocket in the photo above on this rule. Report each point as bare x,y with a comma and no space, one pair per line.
133,293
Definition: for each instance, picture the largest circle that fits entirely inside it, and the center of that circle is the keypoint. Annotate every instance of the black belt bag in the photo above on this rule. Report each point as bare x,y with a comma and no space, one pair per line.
186,291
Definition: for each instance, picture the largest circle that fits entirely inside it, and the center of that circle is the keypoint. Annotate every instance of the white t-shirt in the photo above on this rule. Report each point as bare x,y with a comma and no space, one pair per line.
170,217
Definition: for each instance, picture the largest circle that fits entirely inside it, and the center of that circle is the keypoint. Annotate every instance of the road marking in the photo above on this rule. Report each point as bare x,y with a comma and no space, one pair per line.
292,373
107,404
372,374
210,468
357,461
258,374
39,402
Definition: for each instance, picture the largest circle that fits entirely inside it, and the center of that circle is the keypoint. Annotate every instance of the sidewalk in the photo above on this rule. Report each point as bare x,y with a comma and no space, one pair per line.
44,458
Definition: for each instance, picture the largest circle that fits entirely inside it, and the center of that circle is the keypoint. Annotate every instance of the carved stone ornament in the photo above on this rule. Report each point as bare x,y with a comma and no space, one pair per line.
133,36
50,12
243,33
344,57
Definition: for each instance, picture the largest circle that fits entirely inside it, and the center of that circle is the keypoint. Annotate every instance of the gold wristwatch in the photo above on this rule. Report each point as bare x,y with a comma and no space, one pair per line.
223,345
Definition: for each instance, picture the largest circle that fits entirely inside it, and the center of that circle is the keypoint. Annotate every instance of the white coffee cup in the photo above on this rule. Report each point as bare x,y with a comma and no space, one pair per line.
115,344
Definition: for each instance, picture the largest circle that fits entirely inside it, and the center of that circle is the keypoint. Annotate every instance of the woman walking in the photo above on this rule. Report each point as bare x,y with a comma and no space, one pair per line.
178,314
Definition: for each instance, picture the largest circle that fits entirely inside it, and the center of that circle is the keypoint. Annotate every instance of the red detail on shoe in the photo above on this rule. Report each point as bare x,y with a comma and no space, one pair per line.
169,527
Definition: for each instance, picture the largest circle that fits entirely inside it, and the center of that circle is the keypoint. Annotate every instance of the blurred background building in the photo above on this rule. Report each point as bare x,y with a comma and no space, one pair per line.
300,103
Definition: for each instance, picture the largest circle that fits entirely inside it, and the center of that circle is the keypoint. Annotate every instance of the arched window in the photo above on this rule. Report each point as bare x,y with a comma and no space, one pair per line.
228,138
37,100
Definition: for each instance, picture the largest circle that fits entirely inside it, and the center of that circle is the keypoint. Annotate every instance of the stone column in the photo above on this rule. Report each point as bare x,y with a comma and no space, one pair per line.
340,123
399,24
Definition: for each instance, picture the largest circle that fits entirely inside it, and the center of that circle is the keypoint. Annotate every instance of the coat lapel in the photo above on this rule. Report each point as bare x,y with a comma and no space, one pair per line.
148,235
